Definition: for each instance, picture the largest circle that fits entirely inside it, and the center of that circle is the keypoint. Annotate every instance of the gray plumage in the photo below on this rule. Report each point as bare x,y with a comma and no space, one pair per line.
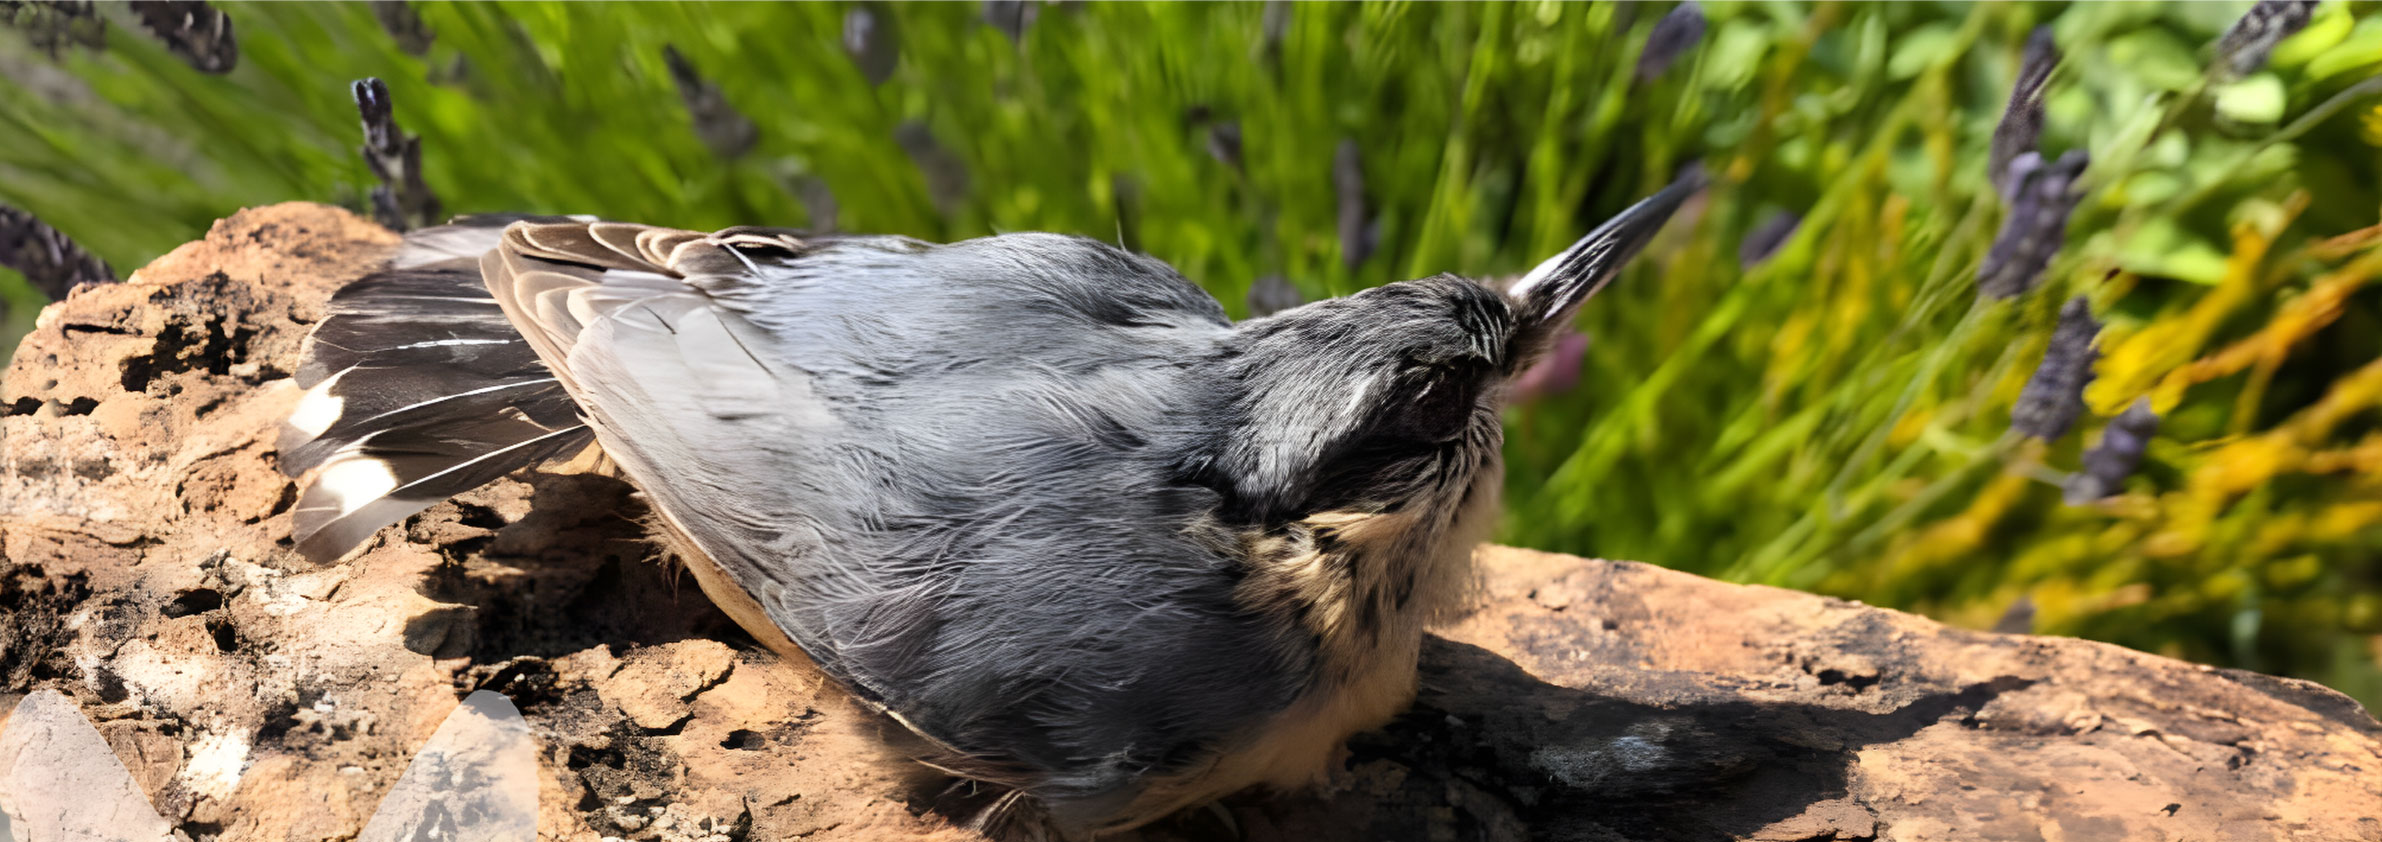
1033,495
417,382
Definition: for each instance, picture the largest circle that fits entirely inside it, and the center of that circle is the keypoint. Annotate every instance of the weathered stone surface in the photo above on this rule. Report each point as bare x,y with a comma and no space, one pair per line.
145,572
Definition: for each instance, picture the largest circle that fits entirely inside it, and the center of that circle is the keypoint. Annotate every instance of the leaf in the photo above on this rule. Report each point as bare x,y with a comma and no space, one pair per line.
2256,100
2361,48
1735,55
2150,188
1922,48
2135,364
2156,57
2328,29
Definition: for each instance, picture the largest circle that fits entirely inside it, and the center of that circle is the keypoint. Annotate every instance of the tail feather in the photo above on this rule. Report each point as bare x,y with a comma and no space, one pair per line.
394,406
418,389
370,486
435,311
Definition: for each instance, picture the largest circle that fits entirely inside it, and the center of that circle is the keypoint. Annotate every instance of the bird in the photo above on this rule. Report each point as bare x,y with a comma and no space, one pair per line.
1031,496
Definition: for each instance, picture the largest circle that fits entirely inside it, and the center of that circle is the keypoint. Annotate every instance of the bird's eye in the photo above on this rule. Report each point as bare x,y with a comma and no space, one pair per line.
1434,409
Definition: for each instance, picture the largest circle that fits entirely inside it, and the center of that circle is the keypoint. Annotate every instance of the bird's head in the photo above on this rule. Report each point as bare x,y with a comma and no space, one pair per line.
1371,401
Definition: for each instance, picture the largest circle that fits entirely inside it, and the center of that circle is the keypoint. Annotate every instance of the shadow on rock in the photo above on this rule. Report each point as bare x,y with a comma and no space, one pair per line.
1490,752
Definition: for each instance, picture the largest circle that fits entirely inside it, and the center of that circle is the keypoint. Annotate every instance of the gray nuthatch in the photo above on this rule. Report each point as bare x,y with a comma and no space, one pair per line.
1032,496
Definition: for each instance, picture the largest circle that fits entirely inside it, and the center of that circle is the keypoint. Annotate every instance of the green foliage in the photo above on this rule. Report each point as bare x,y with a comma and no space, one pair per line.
1833,417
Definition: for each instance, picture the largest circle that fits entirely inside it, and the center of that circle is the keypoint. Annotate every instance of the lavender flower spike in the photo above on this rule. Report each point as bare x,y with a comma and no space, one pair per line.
2041,196
2246,45
2022,120
402,200
1671,38
727,131
2054,396
53,263
200,33
2107,465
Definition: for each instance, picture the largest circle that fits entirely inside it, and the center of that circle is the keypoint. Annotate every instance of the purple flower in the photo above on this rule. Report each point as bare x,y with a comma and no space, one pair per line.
1358,235
1765,238
1275,22
872,41
818,202
2041,196
719,124
946,175
1554,373
201,34
1011,17
2054,396
2245,46
402,200
53,25
1672,37
2107,465
2019,618
1272,294
53,263
1224,142
404,25
2022,120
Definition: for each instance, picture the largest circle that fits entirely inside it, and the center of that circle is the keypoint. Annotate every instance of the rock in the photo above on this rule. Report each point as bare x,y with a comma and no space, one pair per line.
657,686
145,572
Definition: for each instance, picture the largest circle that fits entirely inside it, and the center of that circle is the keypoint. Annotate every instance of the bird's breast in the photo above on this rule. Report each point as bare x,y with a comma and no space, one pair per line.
1364,585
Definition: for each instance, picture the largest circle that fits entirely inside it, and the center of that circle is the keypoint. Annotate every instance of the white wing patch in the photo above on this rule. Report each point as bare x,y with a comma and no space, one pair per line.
354,481
319,409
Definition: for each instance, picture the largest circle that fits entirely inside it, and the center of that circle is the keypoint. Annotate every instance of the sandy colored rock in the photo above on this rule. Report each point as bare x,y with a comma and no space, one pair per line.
657,686
145,571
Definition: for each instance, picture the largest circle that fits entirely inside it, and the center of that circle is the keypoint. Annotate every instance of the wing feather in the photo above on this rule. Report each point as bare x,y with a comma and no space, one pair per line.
418,388
936,469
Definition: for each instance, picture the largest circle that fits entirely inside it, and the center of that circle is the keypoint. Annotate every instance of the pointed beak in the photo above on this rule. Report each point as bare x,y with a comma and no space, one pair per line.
1553,290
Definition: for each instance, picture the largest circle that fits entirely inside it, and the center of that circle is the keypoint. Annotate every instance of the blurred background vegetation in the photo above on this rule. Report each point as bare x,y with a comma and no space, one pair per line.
1800,386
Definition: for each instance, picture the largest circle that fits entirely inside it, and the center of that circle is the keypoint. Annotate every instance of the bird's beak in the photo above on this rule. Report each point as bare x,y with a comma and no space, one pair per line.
1551,292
